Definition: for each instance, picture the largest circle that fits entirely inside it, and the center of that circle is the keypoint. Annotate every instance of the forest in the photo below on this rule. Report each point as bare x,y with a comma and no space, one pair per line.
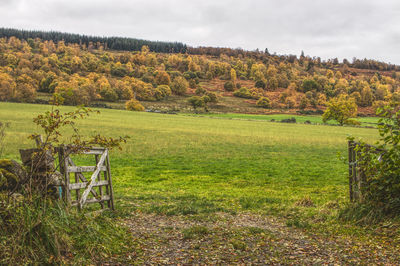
79,69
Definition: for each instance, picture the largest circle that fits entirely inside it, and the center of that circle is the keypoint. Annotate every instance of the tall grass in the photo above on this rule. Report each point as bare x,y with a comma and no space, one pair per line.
46,233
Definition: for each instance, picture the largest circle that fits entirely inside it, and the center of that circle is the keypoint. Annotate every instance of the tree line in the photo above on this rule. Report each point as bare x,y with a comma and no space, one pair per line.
114,43
133,44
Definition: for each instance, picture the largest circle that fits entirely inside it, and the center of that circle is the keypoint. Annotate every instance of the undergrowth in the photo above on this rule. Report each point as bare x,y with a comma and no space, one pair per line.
48,233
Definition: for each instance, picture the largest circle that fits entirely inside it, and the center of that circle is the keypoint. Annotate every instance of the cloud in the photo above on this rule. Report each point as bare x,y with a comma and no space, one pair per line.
325,28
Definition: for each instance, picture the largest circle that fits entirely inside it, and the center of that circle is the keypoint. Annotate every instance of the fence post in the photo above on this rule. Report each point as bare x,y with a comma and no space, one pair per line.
351,162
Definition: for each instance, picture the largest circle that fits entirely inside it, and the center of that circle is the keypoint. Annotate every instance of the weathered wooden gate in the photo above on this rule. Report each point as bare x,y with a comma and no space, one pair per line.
95,189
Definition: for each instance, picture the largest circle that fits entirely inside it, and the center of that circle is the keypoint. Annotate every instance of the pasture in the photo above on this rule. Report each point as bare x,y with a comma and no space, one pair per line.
197,167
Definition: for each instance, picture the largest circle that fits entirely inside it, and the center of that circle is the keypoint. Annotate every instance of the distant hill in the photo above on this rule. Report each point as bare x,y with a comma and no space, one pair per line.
108,71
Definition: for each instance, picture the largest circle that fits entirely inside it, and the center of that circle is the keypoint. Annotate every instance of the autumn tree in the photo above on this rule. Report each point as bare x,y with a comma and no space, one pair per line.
162,78
7,87
25,90
233,76
341,109
134,105
179,86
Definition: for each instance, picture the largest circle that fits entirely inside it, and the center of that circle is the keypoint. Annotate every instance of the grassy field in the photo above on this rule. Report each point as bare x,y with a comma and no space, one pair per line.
194,165
314,119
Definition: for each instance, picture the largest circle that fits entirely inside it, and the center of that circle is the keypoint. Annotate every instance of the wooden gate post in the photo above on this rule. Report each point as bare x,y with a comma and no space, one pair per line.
351,168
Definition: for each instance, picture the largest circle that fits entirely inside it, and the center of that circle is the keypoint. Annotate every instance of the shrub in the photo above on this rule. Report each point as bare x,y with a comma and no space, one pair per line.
381,188
196,101
309,85
189,75
243,93
212,95
289,120
229,86
192,83
264,102
134,105
162,78
303,102
162,92
260,84
179,86
108,94
200,90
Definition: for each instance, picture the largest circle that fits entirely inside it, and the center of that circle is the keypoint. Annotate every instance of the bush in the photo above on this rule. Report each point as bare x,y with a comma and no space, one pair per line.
380,165
264,102
260,84
162,92
134,105
189,75
196,101
309,85
243,93
192,83
289,120
179,86
200,90
32,235
212,95
229,86
303,102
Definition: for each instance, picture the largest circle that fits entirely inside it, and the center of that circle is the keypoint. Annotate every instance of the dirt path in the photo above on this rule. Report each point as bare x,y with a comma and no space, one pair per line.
243,239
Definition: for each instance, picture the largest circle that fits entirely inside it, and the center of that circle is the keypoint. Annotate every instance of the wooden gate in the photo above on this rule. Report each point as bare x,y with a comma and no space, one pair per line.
87,190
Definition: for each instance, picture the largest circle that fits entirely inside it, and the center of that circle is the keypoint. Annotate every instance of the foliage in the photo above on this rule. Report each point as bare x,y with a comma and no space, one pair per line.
81,71
264,102
341,109
134,105
213,98
380,164
200,90
196,102
309,85
117,43
260,84
243,92
38,230
31,234
179,85
229,86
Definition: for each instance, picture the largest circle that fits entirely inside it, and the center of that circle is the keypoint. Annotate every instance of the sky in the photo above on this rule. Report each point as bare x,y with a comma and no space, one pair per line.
324,28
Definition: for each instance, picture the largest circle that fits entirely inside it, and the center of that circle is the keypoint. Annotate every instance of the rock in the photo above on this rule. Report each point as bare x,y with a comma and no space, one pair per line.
11,173
37,160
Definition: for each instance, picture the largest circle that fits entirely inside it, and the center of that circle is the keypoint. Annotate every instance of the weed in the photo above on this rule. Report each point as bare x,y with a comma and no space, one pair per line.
305,202
239,245
195,231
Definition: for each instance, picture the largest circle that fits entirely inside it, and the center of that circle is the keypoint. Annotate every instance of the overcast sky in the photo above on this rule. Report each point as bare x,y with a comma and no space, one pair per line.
325,28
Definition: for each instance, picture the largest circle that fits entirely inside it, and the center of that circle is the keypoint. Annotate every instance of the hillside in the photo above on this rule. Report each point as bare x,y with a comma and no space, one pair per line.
223,79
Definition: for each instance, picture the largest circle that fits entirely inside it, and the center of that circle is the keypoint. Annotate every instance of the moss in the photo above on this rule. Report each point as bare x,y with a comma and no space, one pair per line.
7,178
4,163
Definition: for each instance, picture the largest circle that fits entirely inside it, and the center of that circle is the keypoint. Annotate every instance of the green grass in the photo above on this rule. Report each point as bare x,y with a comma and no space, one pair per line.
314,119
177,164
